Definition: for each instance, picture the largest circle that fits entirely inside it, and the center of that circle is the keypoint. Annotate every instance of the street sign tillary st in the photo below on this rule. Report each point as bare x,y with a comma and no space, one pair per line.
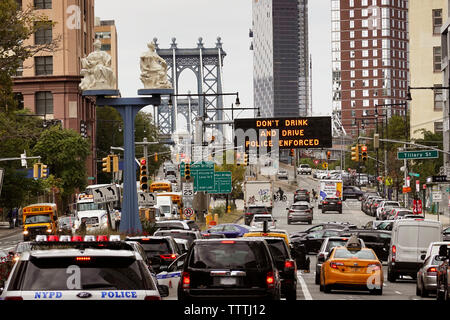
422,154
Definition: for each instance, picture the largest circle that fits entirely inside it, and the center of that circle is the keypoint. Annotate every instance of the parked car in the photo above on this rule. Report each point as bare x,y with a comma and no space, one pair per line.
304,169
398,213
366,203
300,211
443,274
366,196
332,204
446,234
374,206
352,192
383,208
410,239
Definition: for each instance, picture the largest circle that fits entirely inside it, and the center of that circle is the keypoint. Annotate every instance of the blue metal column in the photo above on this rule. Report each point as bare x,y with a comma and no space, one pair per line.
129,222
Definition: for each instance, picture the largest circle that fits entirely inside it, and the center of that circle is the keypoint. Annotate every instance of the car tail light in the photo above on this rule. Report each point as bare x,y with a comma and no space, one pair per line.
228,241
270,279
374,266
339,202
376,205
186,280
171,256
335,265
77,238
152,298
248,213
289,264
83,258
324,202
432,271
290,211
14,298
52,238
394,250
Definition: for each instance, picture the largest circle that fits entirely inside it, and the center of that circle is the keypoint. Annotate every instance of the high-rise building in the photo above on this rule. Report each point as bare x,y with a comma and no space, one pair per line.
369,60
47,84
280,57
106,32
445,67
425,22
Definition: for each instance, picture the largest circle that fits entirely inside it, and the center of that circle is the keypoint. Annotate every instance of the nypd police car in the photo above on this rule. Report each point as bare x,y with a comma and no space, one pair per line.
81,271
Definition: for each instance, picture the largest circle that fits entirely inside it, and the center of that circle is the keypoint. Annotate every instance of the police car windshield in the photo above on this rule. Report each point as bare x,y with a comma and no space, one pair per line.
39,218
100,273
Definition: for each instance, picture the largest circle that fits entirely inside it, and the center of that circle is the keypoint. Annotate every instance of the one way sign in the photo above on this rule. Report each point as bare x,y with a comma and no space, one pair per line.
105,194
146,199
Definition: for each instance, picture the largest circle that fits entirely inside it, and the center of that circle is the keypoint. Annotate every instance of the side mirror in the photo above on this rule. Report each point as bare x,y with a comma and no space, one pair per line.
443,251
163,291
422,257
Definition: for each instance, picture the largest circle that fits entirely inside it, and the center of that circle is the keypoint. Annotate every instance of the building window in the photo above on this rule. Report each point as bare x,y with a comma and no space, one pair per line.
42,4
437,59
19,71
438,127
43,66
106,47
44,103
19,4
438,99
18,97
437,21
103,35
43,34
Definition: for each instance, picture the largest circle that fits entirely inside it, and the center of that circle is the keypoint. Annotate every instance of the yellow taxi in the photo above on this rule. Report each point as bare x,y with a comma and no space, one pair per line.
352,267
271,233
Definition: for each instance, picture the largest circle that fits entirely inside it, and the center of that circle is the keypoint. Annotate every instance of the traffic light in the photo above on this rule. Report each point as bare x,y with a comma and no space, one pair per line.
355,153
328,155
115,163
245,159
44,173
156,157
106,164
143,179
36,170
187,171
292,152
363,152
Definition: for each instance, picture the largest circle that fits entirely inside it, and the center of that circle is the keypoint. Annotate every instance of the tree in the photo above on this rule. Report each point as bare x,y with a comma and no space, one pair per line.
16,26
65,152
237,176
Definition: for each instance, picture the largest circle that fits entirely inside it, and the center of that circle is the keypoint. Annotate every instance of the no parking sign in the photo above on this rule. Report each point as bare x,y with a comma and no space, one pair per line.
188,212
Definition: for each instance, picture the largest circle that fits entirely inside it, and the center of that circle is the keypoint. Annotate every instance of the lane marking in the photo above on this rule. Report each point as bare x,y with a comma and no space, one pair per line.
398,292
305,290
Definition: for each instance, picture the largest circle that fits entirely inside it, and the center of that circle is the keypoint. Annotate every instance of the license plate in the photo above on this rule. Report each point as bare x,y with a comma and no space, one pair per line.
228,281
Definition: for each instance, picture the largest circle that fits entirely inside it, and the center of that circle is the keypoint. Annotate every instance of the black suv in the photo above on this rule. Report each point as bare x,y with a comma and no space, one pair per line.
352,192
230,269
251,211
286,266
301,195
159,250
331,204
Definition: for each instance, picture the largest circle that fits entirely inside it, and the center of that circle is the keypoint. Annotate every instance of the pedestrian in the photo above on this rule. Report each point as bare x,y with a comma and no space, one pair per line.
15,213
82,228
117,217
9,217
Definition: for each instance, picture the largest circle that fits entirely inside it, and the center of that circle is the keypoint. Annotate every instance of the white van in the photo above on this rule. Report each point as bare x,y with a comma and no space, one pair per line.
166,207
410,239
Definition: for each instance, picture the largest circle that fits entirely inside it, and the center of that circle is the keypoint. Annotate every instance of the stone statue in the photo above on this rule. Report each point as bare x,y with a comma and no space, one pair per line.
96,70
154,70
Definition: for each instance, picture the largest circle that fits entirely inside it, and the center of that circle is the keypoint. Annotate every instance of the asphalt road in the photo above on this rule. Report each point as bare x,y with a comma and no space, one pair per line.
403,289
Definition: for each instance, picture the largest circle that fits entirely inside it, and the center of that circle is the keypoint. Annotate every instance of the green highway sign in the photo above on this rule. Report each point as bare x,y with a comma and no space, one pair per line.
203,174
422,154
412,174
222,182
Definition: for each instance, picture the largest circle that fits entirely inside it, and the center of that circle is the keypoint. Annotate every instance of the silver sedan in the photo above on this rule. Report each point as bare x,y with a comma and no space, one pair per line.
426,277
300,211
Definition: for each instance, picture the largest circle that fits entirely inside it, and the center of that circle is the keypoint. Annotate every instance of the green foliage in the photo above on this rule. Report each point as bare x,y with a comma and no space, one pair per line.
65,153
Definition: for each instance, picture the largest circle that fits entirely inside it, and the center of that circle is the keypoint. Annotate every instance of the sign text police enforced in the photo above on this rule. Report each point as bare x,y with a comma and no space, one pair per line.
286,133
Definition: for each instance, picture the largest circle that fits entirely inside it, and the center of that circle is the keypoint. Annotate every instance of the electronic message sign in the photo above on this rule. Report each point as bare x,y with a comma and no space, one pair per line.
284,133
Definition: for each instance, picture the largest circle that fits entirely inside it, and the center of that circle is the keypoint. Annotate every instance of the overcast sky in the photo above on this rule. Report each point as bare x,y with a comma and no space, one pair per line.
139,21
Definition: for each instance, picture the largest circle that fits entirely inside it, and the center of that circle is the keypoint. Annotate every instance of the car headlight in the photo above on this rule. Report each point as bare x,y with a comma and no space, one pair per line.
49,230
25,232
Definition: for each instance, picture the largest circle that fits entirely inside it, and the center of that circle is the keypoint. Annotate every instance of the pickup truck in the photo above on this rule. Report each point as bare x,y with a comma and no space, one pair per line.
304,169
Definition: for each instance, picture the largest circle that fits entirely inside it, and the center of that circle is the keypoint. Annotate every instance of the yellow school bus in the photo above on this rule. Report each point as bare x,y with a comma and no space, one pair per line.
161,186
39,218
